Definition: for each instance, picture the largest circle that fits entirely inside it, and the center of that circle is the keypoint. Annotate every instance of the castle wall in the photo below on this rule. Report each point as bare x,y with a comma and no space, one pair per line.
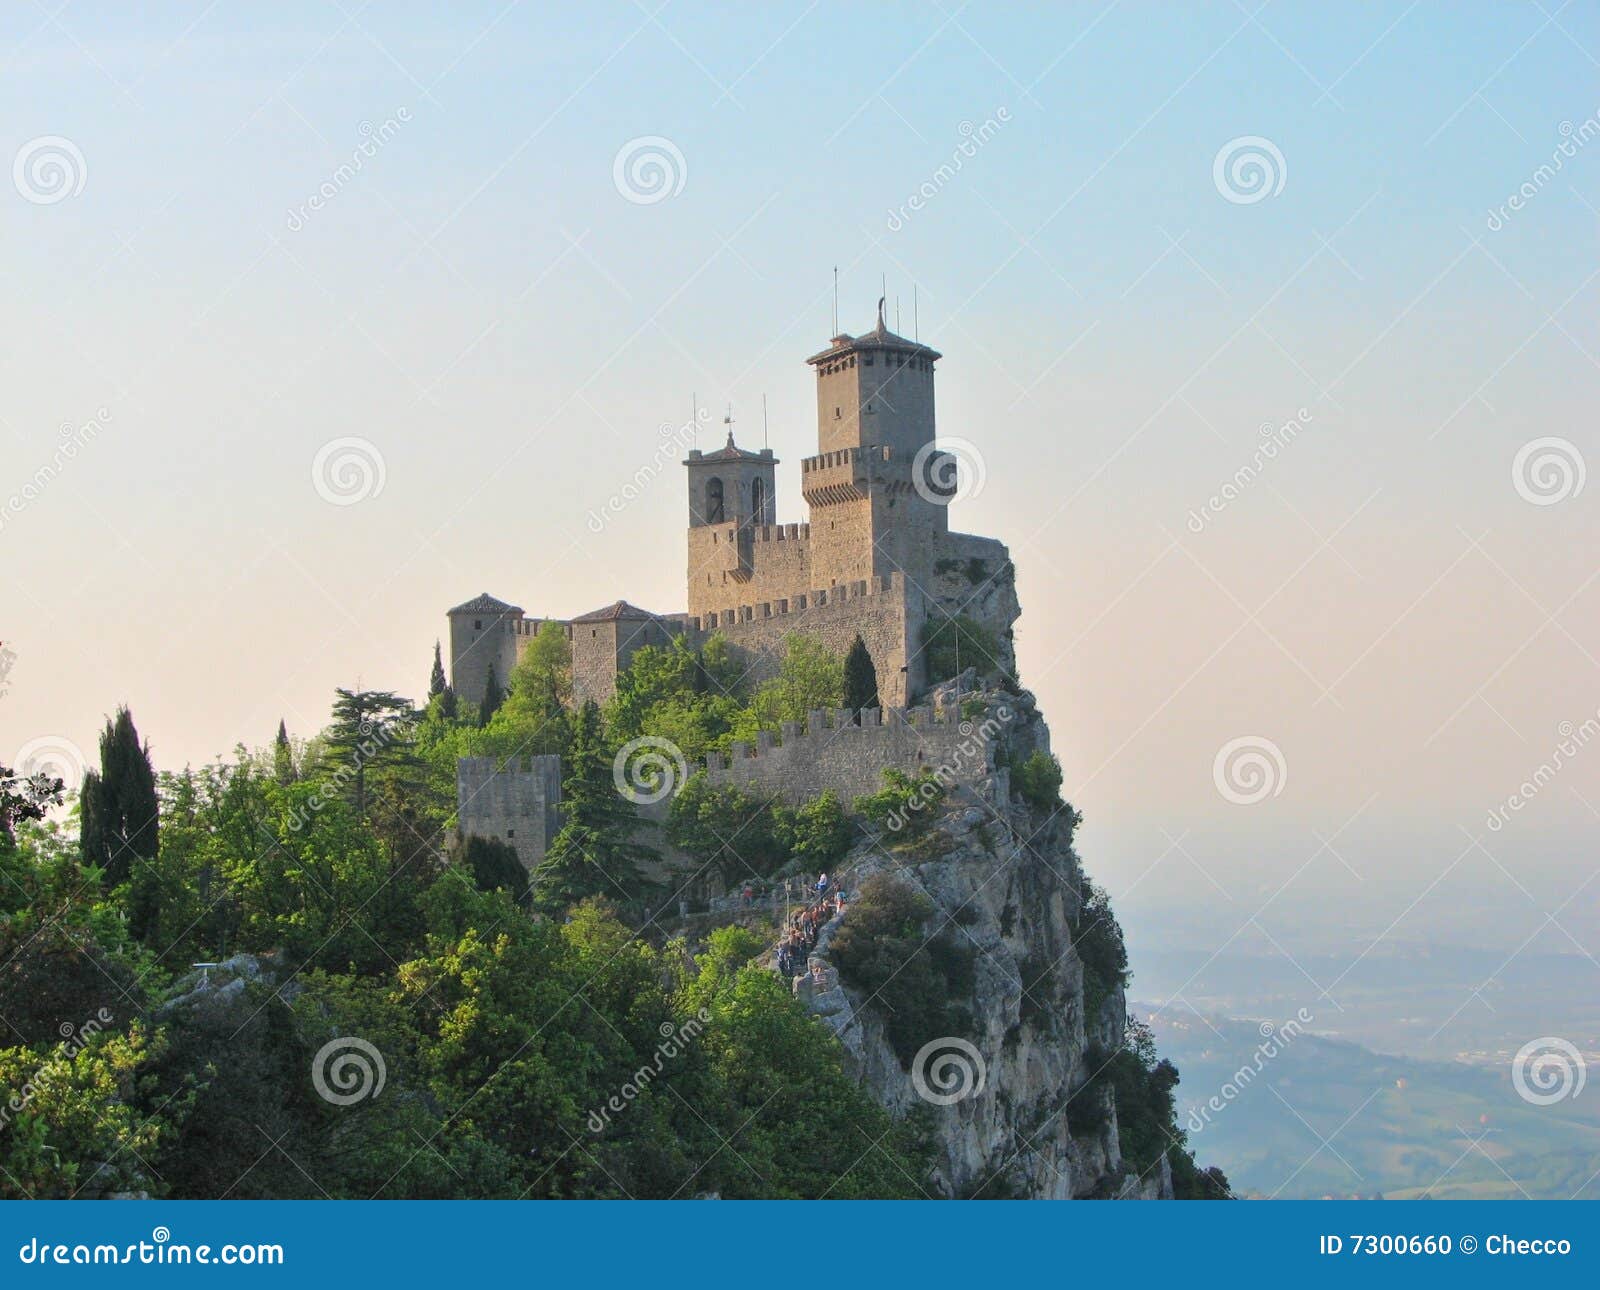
474,648
730,565
888,619
519,804
833,754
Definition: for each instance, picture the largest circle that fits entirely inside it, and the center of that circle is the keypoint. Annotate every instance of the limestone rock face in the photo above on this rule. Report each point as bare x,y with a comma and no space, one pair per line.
1010,1113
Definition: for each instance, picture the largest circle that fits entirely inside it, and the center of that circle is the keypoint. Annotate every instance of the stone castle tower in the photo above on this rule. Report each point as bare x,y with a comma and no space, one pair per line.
876,559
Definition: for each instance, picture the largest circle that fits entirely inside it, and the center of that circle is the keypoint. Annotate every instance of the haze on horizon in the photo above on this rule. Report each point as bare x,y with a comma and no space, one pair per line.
496,305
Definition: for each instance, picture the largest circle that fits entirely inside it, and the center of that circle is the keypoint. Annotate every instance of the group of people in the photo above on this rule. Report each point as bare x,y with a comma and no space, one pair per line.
806,924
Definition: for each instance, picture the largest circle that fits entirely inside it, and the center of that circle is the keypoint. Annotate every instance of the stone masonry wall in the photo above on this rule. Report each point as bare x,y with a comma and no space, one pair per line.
833,753
519,804
888,620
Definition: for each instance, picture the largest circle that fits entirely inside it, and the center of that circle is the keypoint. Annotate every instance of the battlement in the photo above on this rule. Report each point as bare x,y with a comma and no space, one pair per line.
806,602
517,802
847,752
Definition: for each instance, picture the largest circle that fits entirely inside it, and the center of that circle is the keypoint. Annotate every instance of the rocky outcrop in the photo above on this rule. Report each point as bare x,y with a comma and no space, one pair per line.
1013,1109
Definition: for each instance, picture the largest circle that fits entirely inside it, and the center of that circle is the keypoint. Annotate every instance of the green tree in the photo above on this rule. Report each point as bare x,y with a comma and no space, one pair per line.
25,799
120,817
593,853
811,676
493,697
725,828
860,677
436,681
372,731
283,756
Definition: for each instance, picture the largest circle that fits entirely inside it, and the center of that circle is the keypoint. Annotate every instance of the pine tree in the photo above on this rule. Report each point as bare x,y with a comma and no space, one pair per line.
371,730
593,854
120,820
436,682
860,677
493,697
447,703
283,756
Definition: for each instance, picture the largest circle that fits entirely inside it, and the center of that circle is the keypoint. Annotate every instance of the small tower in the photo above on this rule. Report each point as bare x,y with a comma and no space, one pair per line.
731,493
483,632
875,422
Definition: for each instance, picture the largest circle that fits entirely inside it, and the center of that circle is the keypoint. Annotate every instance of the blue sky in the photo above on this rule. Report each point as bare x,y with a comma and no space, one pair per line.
484,306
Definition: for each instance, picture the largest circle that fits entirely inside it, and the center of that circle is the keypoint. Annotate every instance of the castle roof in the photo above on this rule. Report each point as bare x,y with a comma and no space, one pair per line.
880,337
618,612
484,603
731,451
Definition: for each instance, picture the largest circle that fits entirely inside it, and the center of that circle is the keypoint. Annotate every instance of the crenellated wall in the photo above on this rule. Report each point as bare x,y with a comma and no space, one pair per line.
519,803
846,753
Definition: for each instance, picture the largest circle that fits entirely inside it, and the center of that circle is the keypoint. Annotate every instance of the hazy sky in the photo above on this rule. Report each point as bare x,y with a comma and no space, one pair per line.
507,313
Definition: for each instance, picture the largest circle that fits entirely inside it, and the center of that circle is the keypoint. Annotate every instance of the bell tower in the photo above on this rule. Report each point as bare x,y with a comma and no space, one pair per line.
732,493
875,430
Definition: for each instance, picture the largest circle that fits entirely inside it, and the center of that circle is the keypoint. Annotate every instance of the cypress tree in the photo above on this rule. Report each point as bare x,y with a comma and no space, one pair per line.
120,817
860,677
283,756
447,703
436,682
493,697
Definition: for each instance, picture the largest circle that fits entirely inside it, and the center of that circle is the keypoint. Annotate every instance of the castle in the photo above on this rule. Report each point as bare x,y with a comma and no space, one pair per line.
876,559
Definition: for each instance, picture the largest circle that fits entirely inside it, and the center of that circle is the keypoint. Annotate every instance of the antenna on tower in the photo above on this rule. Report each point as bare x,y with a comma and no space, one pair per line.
836,300
694,418
916,324
728,421
764,442
897,313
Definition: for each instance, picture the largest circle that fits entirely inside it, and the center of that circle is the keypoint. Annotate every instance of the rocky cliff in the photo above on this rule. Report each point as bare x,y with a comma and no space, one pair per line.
1015,1095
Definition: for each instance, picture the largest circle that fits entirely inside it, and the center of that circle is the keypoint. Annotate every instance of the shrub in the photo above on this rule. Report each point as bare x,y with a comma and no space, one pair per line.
904,802
917,983
959,640
1038,779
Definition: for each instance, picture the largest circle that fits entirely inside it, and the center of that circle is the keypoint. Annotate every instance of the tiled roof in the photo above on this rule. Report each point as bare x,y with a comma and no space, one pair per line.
615,613
484,603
